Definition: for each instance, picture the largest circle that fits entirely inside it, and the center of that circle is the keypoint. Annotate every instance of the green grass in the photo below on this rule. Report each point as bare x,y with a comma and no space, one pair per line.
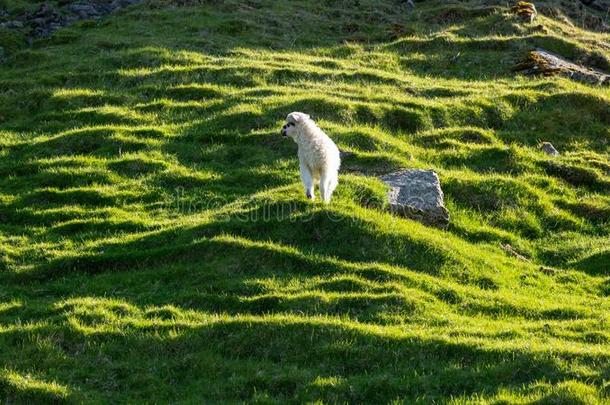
155,244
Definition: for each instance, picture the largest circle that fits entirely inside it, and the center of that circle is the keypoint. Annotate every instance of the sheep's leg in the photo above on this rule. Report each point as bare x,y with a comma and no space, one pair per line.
328,183
323,188
333,182
307,179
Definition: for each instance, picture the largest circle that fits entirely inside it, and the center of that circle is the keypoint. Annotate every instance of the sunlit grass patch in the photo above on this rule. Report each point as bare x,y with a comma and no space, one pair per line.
27,388
156,244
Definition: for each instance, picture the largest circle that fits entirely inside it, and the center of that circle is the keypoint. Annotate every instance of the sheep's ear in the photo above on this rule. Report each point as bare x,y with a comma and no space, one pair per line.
302,117
297,117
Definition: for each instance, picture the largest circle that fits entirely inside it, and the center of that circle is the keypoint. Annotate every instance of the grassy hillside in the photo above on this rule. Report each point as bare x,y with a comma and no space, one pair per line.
155,244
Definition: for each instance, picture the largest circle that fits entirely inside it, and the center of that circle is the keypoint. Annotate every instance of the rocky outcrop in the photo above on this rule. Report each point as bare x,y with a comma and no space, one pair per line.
47,18
541,62
417,194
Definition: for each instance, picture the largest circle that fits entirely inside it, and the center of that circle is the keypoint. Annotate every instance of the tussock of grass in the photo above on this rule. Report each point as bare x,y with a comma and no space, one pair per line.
155,245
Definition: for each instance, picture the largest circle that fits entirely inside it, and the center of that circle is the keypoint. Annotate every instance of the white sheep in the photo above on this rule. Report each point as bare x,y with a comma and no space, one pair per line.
318,155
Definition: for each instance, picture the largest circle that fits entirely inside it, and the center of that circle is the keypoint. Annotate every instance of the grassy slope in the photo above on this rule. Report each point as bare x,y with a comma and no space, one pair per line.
141,174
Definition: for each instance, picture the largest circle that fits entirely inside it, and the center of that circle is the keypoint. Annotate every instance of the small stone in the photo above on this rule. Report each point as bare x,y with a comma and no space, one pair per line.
38,21
548,271
81,7
540,28
105,8
84,11
14,24
549,149
417,194
117,4
511,250
44,11
525,10
42,32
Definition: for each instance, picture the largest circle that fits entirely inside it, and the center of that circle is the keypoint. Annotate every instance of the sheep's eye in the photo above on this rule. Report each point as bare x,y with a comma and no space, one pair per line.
290,124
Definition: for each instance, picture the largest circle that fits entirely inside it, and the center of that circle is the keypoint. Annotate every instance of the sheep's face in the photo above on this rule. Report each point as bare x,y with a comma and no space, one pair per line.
293,120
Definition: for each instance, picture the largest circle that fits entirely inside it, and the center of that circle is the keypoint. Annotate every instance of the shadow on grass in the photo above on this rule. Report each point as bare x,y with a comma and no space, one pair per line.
229,358
284,223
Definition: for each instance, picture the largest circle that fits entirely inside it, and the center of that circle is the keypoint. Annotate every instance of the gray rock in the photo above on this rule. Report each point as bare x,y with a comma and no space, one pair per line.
105,8
546,63
417,194
121,3
48,19
38,21
84,11
43,11
82,7
549,149
14,24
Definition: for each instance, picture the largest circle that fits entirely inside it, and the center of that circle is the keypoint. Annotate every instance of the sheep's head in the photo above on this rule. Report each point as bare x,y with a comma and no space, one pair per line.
293,120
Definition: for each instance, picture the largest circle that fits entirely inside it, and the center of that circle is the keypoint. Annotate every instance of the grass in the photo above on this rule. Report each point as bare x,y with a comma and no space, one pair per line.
155,244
